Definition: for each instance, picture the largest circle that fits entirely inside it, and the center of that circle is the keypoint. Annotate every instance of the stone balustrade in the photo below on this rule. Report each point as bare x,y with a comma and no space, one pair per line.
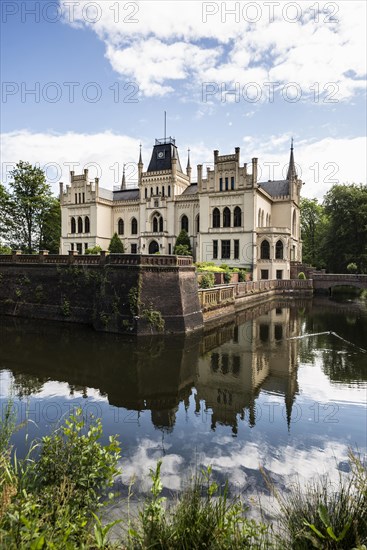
97,259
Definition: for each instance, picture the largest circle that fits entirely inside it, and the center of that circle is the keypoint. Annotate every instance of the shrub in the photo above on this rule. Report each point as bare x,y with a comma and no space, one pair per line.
242,275
207,280
94,250
301,275
182,239
56,489
5,249
227,276
182,250
352,267
116,245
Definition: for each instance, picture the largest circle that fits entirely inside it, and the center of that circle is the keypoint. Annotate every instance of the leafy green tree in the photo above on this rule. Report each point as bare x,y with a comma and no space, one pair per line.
6,222
116,245
51,227
313,227
346,236
182,240
28,206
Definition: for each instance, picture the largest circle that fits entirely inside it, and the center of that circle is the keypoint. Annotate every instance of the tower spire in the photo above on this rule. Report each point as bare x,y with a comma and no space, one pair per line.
292,173
140,159
123,182
188,167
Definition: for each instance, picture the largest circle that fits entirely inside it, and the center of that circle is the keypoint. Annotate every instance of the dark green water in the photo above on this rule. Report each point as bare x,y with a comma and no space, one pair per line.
259,392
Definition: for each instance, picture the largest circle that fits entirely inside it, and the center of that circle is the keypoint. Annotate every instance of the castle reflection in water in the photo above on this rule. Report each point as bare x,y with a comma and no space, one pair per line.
227,367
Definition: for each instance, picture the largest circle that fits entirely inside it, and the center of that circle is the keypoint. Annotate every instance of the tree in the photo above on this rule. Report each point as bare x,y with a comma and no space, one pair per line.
313,228
6,223
116,245
182,240
346,236
51,228
29,203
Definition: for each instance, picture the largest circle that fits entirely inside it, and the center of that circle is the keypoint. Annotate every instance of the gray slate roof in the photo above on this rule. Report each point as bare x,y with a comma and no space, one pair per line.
278,188
191,189
126,195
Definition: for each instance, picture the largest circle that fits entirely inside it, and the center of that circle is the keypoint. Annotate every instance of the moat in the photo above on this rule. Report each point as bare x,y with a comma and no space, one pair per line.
284,387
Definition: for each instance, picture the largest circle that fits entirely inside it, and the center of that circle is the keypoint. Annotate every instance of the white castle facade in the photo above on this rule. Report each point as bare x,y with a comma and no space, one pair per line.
230,217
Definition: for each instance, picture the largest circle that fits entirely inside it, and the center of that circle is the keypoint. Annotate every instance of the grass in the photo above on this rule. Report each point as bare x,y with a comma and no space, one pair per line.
51,499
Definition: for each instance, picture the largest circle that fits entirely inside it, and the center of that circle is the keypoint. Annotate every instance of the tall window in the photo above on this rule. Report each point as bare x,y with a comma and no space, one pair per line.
146,192
226,180
215,250
216,218
157,223
226,250
232,183
163,191
220,184
80,225
134,227
265,250
169,190
185,223
86,225
226,217
279,250
120,227
73,225
198,223
236,252
237,217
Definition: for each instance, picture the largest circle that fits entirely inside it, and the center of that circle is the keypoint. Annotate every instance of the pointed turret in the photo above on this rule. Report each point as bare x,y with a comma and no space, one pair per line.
123,182
188,167
292,173
140,167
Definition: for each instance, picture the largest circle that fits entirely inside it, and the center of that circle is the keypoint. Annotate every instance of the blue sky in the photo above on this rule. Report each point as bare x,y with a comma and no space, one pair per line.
293,71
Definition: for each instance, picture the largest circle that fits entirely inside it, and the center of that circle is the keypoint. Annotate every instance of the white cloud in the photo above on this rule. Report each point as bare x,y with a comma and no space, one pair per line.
321,163
170,42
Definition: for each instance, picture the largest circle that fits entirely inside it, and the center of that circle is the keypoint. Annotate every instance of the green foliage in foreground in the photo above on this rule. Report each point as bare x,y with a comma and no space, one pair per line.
50,500
94,250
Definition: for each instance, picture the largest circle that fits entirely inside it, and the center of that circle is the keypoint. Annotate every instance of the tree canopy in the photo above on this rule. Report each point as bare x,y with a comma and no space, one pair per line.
30,215
335,233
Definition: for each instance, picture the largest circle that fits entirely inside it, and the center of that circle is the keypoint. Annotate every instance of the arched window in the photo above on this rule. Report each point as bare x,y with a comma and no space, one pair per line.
197,223
185,223
226,217
86,225
216,217
279,250
146,192
156,191
163,193
151,191
157,223
73,225
169,190
237,217
80,225
294,224
265,250
120,227
134,227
